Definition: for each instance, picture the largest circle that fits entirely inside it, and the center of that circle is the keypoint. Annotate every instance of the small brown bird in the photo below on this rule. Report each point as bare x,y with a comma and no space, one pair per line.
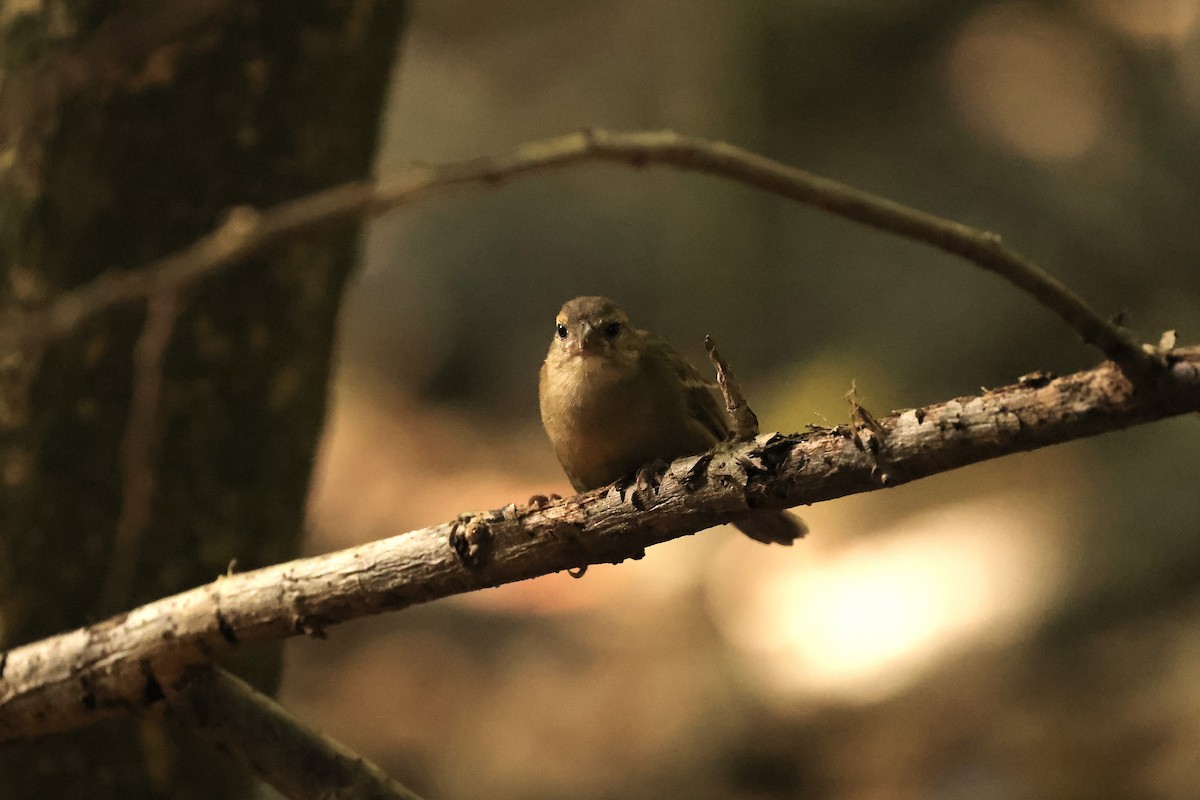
614,399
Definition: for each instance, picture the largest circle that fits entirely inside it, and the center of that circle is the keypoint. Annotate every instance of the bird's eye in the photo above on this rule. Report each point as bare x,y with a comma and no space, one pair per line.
560,331
612,329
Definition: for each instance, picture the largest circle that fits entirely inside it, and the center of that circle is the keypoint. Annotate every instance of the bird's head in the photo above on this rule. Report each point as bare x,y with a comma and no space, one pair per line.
592,327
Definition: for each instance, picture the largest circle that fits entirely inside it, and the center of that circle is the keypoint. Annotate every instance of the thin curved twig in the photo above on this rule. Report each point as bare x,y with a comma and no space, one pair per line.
140,445
248,232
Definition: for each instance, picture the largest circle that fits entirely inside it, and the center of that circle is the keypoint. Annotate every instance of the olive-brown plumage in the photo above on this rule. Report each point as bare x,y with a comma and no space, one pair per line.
614,398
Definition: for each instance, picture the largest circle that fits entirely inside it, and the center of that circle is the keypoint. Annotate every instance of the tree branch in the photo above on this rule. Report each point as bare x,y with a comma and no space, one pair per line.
258,733
139,451
126,662
248,232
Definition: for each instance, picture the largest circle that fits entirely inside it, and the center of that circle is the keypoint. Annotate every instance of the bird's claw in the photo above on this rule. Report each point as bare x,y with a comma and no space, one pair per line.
648,475
645,483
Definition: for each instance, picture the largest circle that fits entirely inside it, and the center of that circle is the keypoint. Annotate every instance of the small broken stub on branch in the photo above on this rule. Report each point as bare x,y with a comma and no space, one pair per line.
471,540
867,431
743,423
867,434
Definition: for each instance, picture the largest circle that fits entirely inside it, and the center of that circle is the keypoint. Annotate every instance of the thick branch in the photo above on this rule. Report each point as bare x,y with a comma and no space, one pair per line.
122,663
249,233
255,731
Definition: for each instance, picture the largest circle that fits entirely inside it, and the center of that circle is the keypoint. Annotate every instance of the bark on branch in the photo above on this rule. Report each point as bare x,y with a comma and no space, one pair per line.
249,232
129,661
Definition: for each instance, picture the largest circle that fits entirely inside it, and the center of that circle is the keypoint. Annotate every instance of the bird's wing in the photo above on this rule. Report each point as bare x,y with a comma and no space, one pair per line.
699,401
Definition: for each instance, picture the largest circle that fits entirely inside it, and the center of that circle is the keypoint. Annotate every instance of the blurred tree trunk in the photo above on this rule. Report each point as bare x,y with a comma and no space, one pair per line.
127,129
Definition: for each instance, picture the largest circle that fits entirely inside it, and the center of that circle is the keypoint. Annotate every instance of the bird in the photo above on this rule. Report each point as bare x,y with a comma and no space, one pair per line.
615,399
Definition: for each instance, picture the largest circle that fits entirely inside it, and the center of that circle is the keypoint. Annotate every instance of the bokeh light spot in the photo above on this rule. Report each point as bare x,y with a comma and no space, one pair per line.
861,621
1151,22
1030,84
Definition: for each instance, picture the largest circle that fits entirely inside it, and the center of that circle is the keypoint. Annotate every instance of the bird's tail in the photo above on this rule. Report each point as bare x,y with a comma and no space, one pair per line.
772,527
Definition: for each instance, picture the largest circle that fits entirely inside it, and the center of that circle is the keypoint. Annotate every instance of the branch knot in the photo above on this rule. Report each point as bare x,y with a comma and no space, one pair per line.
471,539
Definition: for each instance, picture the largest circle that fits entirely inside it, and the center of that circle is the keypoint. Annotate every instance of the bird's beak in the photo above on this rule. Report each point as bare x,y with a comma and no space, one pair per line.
587,340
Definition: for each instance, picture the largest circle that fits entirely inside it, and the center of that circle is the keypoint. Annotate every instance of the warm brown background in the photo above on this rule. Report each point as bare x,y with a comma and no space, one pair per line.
1026,628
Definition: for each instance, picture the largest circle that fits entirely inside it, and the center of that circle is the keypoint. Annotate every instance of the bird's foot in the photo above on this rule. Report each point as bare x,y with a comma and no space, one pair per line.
644,483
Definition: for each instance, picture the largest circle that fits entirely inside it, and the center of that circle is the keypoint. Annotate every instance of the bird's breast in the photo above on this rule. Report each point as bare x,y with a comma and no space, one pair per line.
605,424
